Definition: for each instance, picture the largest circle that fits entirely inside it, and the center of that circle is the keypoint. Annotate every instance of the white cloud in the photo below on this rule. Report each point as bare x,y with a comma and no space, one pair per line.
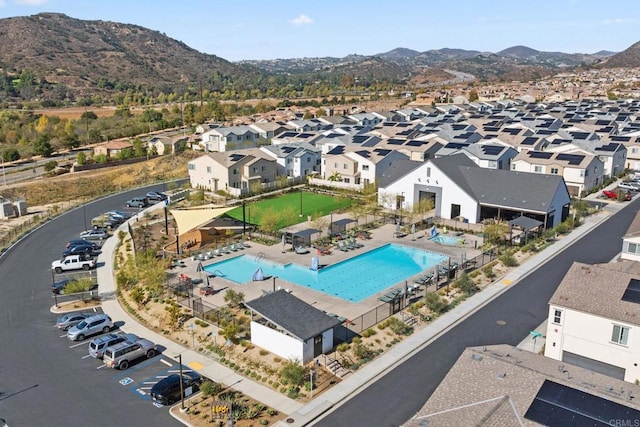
31,2
616,21
302,20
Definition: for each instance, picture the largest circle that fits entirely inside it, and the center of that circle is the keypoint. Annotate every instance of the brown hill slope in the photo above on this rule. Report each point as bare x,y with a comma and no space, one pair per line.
78,52
628,58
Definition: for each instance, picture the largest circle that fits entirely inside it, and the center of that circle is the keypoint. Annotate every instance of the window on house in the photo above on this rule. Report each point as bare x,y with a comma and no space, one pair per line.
634,150
513,166
554,171
620,334
262,168
288,161
308,159
346,180
192,167
235,171
537,169
365,167
344,166
632,248
254,169
208,169
428,172
335,165
557,317
581,174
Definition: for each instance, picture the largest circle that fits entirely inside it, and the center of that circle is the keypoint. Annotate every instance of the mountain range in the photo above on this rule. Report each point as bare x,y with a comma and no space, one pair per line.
88,56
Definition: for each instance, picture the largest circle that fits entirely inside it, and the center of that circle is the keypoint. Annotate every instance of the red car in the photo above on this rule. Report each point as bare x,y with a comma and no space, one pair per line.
614,195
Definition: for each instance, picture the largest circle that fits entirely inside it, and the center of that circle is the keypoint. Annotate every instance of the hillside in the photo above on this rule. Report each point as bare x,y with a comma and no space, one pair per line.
101,54
628,58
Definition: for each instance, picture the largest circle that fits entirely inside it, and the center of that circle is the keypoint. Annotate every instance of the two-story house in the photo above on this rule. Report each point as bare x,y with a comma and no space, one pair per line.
295,160
593,319
491,156
234,172
581,172
231,138
360,166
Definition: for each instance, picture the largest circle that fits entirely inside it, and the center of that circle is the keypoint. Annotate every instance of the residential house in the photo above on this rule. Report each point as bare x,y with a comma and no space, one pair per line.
295,160
581,172
291,328
631,241
461,189
307,125
502,385
366,119
593,319
612,154
268,130
359,166
231,138
234,172
166,144
112,148
491,156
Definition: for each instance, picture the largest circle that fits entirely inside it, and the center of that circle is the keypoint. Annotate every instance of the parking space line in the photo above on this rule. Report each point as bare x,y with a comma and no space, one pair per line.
84,357
162,376
101,366
177,371
144,388
78,345
149,382
63,336
166,363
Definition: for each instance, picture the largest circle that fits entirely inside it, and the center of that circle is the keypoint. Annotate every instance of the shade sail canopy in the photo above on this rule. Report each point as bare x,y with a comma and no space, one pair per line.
525,223
188,219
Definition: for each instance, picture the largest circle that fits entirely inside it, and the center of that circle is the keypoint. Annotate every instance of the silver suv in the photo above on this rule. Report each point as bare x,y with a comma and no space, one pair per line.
90,326
97,346
121,355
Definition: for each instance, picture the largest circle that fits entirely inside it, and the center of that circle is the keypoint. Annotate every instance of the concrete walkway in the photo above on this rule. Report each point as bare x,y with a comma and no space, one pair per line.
299,414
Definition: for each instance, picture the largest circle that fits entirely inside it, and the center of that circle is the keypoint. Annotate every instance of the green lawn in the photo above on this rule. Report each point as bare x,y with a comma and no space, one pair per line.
287,207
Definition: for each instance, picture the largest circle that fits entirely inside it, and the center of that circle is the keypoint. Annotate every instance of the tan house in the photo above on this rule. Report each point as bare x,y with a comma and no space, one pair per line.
234,172
112,148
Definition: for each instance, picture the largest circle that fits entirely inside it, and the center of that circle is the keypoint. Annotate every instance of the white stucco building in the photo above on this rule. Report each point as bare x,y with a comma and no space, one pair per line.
594,319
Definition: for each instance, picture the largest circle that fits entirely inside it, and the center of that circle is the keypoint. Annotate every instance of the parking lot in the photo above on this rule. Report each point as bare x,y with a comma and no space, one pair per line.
137,380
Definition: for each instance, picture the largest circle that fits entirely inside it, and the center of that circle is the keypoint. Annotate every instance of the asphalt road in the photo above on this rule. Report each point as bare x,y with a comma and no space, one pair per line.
398,395
43,381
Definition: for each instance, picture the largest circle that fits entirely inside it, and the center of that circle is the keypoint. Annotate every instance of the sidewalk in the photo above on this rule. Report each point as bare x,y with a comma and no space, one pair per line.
299,414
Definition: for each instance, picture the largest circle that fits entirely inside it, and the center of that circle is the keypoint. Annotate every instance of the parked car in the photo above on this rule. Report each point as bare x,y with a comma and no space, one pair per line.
95,234
119,214
59,286
76,242
71,319
628,185
167,390
156,196
99,345
614,195
138,202
90,326
79,249
121,355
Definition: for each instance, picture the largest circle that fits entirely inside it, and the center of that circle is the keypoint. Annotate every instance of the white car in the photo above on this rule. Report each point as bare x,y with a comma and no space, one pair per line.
94,235
629,186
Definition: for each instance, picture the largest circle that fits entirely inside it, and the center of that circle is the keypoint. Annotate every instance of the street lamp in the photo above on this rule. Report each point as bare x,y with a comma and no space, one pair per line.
53,283
181,383
4,178
301,203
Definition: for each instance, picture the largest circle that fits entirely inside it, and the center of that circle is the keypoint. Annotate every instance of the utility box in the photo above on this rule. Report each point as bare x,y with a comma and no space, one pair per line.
6,209
20,207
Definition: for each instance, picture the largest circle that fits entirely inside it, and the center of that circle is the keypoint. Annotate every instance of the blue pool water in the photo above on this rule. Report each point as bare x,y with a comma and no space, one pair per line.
353,280
446,240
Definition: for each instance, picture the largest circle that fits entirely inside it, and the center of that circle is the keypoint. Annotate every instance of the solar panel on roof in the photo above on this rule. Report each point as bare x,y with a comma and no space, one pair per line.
235,157
560,405
288,134
572,159
621,138
403,125
364,153
530,140
491,128
337,150
381,151
305,135
632,293
602,122
580,135
287,149
545,132
359,139
456,145
610,147
395,141
492,150
415,143
539,154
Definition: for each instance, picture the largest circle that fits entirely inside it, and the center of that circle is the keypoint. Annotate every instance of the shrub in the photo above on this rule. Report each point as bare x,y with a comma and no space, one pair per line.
508,260
368,333
399,327
342,347
466,285
435,304
263,352
293,372
488,271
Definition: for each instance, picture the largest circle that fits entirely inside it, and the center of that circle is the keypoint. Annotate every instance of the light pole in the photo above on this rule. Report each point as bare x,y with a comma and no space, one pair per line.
4,178
301,203
53,282
181,383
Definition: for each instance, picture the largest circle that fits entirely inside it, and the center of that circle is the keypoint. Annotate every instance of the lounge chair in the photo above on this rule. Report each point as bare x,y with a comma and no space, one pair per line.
355,244
244,244
342,247
225,249
302,250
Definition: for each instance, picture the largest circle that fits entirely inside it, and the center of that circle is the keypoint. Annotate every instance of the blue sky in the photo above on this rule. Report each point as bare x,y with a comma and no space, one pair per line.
267,29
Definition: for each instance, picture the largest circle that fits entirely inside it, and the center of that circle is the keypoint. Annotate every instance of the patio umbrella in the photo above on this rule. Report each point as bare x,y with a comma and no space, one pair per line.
258,275
284,242
199,269
314,263
413,231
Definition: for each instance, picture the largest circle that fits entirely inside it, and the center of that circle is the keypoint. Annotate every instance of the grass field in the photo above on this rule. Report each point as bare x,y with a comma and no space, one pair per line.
288,206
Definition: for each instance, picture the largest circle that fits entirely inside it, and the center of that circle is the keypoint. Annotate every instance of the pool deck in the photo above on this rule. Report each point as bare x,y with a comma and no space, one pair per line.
274,253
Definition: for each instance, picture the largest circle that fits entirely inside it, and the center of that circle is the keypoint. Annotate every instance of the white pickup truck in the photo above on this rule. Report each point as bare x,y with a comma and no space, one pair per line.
73,262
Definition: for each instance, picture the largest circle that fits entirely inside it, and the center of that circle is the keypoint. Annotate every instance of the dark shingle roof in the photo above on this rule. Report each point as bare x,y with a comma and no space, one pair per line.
293,315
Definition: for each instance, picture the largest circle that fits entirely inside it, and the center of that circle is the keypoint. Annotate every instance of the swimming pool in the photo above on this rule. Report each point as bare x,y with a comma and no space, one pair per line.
353,279
446,240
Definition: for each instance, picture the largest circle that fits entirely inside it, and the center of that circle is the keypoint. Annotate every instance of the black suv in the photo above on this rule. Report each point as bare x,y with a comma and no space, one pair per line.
167,390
